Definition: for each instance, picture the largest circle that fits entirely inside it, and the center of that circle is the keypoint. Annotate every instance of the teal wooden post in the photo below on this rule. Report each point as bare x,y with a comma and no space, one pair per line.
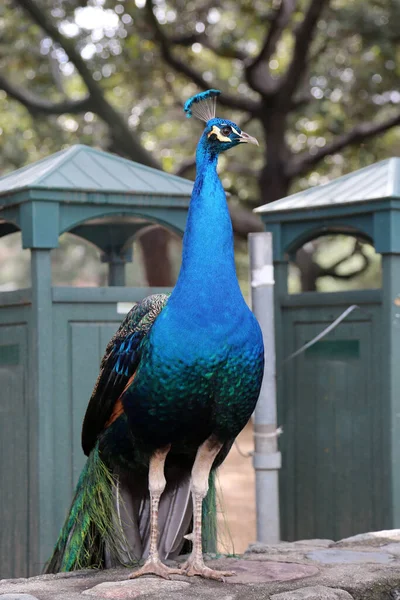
116,268
116,272
391,327
280,291
41,352
281,276
116,257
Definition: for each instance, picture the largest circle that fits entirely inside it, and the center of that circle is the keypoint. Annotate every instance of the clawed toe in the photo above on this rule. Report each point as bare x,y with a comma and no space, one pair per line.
191,569
155,567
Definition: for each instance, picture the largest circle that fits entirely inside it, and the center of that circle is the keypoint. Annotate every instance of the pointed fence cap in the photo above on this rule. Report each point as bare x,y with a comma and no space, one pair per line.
100,194
377,182
81,168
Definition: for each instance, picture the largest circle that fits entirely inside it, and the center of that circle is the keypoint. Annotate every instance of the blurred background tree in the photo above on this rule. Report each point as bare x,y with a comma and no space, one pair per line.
315,80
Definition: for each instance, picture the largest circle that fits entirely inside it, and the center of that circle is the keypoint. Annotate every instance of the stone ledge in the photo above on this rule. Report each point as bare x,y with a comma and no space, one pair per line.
364,567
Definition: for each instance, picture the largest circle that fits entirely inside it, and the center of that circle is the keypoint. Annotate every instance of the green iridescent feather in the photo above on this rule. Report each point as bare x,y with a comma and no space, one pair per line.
92,524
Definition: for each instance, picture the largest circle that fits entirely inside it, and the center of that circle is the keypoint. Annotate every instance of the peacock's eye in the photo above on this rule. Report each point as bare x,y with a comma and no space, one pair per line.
226,131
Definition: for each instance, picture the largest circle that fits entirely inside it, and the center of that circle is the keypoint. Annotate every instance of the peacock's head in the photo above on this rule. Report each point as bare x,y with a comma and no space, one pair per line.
223,134
219,134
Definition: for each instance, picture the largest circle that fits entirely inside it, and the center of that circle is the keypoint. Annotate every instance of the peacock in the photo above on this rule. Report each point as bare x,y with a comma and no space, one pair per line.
179,380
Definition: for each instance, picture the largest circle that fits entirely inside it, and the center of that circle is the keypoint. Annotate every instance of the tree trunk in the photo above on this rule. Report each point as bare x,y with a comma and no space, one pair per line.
274,184
309,270
157,262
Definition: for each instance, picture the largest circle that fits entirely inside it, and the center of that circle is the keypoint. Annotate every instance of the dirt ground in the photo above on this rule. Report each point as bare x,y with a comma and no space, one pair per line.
237,519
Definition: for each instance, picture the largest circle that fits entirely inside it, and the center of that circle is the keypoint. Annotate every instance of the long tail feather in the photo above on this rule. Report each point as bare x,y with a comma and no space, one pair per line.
93,524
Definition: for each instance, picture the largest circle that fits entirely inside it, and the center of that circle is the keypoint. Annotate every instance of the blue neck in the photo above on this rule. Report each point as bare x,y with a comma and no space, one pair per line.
208,252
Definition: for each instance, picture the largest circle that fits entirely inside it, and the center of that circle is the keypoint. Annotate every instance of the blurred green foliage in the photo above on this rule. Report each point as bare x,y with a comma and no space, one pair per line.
351,76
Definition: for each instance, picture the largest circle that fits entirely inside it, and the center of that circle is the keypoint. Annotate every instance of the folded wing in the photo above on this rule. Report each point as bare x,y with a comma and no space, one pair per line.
118,367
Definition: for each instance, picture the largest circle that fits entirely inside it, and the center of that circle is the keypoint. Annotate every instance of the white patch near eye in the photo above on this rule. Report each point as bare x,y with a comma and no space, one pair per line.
234,131
216,130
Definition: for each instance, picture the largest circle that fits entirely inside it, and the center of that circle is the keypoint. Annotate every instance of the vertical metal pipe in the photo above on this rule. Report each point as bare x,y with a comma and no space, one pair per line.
267,459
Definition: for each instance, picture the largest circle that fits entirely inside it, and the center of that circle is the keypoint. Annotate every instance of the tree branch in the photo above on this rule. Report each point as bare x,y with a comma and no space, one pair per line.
56,74
257,72
164,42
360,133
331,271
35,104
204,40
40,17
301,101
304,97
303,39
310,270
119,128
320,49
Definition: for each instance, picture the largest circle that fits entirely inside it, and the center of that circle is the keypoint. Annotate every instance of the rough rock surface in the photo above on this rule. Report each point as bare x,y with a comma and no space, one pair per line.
335,555
364,567
135,588
372,538
18,597
317,592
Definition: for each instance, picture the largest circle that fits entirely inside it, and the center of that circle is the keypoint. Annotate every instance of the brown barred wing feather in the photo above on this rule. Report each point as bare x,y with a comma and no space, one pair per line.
118,367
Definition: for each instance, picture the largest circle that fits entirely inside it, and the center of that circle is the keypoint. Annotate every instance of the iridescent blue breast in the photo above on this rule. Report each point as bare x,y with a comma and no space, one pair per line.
194,379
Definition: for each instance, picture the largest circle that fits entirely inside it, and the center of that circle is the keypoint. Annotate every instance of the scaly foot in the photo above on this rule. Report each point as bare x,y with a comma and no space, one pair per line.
197,567
154,566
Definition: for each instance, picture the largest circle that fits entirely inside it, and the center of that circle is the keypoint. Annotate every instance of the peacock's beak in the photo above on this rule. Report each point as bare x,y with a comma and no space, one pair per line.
248,139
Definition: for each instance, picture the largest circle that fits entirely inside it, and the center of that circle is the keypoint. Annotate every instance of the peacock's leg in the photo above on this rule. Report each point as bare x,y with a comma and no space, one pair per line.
153,564
199,486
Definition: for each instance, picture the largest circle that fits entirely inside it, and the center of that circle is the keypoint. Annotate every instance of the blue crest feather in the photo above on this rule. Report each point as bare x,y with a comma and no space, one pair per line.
202,105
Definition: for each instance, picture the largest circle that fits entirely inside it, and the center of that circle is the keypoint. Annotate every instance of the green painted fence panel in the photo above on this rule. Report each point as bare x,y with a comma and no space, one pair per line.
88,343
81,332
332,482
14,472
81,322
